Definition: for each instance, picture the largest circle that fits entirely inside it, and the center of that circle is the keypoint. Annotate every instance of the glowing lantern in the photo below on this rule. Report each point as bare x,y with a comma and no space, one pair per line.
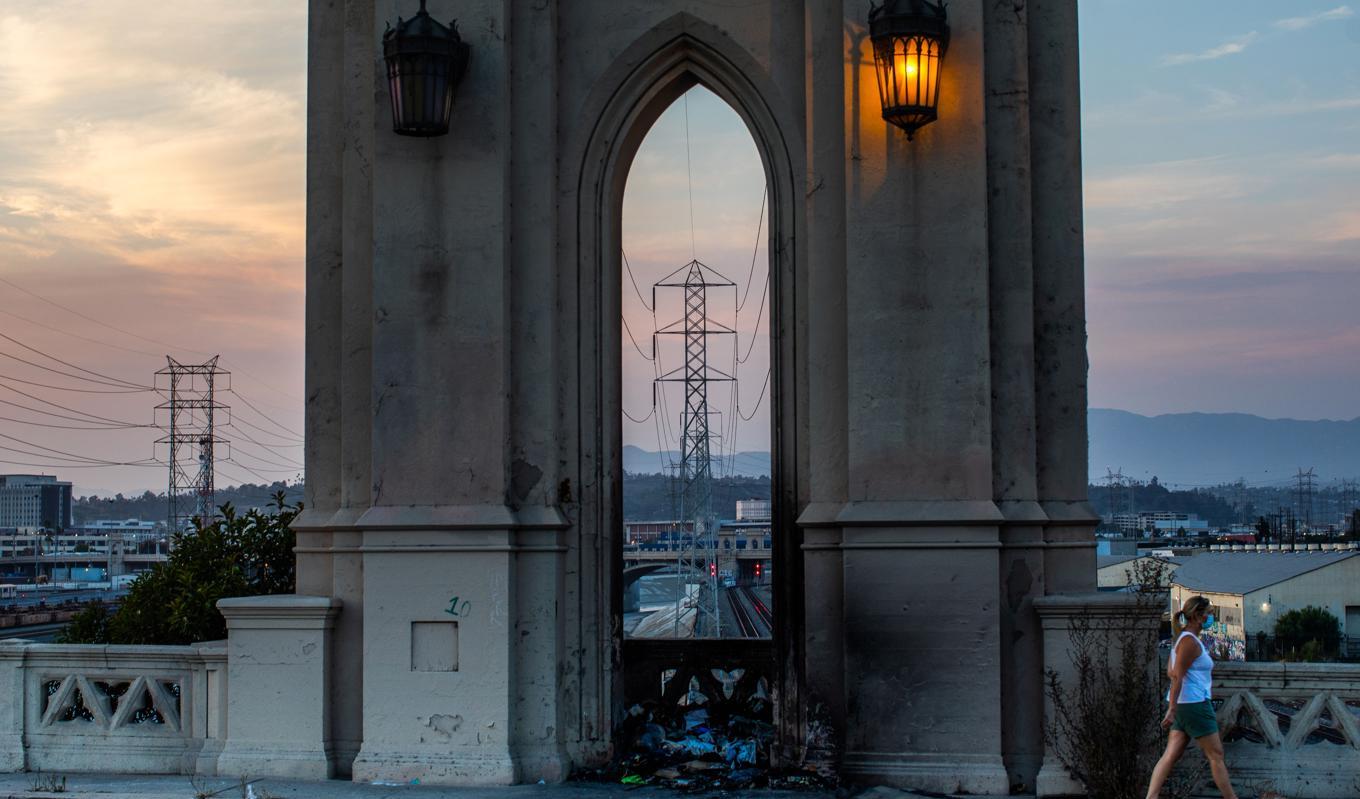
909,38
425,60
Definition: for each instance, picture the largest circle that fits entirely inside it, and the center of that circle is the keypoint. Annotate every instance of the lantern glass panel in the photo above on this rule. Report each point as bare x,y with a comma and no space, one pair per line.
909,79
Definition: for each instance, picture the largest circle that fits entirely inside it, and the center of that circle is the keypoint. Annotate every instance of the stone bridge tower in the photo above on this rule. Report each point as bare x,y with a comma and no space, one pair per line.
463,442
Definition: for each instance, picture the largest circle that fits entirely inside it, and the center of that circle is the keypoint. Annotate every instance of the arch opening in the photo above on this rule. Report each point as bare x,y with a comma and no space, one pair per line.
694,379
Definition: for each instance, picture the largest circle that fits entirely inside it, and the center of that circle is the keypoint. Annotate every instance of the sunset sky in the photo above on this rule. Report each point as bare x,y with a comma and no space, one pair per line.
152,202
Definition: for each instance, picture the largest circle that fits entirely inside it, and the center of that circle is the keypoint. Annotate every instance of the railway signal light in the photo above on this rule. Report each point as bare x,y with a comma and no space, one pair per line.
713,569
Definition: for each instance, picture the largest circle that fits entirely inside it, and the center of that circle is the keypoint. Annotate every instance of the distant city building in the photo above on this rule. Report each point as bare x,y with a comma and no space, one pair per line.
753,510
30,500
1159,522
128,529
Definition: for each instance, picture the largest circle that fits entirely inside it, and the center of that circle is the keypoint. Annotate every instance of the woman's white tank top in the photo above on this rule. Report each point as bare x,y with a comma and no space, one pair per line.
1198,683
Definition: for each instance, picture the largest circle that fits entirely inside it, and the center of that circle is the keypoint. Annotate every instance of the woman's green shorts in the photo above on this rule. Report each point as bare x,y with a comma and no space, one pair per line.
1196,719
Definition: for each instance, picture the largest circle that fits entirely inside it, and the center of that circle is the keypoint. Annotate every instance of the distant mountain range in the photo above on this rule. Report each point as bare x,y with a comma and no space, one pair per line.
750,464
1177,448
1212,448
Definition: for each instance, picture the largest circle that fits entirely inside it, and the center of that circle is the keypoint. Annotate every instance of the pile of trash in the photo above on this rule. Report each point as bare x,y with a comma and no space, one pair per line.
698,745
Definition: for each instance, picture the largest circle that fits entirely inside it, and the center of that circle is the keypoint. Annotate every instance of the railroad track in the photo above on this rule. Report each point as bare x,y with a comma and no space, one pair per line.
752,616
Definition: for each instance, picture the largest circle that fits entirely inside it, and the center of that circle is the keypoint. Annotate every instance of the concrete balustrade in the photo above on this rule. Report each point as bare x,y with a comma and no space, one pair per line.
132,709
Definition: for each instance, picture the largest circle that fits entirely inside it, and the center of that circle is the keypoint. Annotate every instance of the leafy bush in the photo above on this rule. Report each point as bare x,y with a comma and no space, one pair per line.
176,601
1314,632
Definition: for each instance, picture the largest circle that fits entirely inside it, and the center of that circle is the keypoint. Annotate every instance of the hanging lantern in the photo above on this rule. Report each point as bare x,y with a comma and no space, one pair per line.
425,61
909,38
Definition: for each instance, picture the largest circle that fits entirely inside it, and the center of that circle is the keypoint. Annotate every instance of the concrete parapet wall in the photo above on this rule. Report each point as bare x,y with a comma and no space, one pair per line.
1291,727
133,709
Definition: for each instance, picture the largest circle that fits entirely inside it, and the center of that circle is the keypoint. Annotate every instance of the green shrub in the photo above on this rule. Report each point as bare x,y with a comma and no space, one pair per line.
176,601
1297,629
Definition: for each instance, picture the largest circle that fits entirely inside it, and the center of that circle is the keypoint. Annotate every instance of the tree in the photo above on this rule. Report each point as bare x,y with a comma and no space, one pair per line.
1262,530
176,602
1313,630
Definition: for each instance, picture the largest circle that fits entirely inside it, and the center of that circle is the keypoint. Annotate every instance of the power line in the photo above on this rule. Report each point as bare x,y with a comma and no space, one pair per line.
23,407
636,290
689,178
65,332
760,223
67,426
115,380
643,420
235,420
759,312
759,399
77,390
629,331
264,415
96,417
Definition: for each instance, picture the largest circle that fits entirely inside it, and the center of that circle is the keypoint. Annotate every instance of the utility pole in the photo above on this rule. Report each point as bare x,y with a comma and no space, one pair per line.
191,412
698,554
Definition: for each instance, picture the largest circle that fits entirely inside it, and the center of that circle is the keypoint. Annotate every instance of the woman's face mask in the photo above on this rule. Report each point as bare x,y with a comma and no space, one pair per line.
1209,620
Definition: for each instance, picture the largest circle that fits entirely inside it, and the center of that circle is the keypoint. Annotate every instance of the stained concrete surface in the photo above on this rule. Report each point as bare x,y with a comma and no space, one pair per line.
103,786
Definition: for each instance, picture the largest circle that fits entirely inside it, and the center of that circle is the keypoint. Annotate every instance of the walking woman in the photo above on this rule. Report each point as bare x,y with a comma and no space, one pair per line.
1191,711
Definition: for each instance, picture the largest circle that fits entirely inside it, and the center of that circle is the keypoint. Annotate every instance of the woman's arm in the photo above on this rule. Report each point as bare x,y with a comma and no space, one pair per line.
1185,655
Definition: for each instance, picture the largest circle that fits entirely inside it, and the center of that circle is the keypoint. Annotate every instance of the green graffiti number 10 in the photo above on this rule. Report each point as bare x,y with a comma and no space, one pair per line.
456,609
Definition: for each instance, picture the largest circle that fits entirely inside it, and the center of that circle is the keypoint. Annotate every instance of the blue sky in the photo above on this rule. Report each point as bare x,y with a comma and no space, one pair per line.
153,180
1222,184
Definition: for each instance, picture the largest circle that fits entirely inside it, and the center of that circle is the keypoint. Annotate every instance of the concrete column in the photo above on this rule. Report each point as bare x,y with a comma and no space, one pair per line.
12,755
440,541
920,544
1112,620
823,567
1059,295
535,475
278,675
324,320
1014,484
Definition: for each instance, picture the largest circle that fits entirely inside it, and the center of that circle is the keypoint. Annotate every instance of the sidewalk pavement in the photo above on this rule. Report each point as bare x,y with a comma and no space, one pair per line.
105,786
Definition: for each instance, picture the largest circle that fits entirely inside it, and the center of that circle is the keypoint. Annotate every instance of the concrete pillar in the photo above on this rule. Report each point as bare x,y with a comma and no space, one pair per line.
823,567
1059,295
920,543
12,754
279,653
1010,255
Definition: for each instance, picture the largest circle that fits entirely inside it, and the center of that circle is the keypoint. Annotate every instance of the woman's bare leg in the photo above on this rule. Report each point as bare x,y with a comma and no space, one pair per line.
1175,747
1212,746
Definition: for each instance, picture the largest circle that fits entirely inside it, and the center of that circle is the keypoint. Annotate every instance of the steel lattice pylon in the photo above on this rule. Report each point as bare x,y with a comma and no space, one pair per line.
191,433
698,552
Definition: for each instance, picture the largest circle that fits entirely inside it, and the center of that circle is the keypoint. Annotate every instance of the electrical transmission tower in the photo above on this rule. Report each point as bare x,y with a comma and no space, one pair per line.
191,412
697,556
1303,496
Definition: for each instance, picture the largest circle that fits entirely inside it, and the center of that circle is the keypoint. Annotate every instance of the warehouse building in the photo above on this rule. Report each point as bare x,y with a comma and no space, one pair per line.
1252,589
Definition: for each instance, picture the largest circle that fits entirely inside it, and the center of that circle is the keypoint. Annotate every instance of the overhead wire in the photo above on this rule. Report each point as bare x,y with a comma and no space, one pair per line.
629,331
96,417
13,379
755,251
636,290
759,399
113,380
264,415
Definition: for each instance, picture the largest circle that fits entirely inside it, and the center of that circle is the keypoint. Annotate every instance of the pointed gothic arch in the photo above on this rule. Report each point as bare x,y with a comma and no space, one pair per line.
660,66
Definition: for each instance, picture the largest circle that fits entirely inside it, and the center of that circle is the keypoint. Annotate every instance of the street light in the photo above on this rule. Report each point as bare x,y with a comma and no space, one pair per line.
425,61
909,38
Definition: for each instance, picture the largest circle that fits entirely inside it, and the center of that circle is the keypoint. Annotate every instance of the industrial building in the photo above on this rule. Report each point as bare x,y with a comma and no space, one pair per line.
1253,588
